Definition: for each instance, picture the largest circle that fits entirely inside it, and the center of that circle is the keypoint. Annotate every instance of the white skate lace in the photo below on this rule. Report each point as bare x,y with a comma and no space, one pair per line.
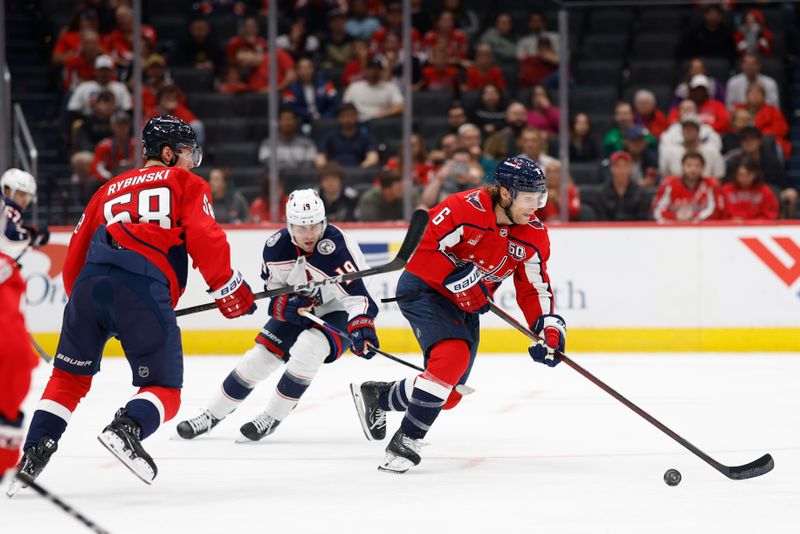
413,444
379,420
263,423
201,422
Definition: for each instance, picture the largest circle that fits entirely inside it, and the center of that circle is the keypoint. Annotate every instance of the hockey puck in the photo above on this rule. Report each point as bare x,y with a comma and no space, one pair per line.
672,477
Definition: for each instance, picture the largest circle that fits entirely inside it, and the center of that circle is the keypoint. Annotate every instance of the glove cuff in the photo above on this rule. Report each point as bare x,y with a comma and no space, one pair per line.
550,321
463,279
229,287
360,321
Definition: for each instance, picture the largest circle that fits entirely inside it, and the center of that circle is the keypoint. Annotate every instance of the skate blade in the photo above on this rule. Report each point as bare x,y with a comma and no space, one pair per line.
138,467
14,487
395,464
355,391
242,439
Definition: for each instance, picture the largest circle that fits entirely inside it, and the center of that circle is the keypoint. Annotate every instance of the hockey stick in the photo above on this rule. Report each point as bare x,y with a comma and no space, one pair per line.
24,251
91,525
738,472
463,389
40,351
419,221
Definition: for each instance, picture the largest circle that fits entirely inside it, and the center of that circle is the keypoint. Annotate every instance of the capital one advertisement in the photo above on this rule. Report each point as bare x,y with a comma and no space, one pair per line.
644,281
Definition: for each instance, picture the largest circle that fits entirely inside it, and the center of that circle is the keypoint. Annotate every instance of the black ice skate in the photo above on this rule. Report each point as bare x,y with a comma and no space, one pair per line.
122,439
34,460
191,428
402,453
260,427
370,414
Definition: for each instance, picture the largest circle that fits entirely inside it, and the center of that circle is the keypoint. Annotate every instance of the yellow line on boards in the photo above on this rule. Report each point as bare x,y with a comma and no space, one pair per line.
502,340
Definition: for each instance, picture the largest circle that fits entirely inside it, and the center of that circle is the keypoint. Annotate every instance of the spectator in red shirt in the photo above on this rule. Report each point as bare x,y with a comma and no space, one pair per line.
169,102
394,24
689,197
422,169
769,119
116,154
484,71
69,41
753,36
445,34
248,39
552,210
747,197
354,69
79,66
260,208
697,65
646,114
440,75
259,79
120,41
542,114
711,111
155,77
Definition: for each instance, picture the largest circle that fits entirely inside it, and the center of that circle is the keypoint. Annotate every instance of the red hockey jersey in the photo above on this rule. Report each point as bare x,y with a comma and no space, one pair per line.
675,202
162,213
17,358
463,229
757,202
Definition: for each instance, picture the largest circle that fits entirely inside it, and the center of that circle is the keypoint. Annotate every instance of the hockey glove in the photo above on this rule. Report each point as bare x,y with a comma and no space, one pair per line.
234,298
553,331
469,292
39,236
287,308
362,335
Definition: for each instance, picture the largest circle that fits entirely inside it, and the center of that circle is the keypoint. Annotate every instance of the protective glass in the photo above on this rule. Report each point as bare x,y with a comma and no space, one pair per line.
528,200
306,232
196,153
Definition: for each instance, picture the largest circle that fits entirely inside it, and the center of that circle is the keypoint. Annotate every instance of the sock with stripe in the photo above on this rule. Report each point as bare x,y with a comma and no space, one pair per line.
61,396
256,365
152,406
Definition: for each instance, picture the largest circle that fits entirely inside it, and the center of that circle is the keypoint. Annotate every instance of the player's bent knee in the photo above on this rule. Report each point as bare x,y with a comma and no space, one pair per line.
453,400
258,363
67,389
448,360
309,352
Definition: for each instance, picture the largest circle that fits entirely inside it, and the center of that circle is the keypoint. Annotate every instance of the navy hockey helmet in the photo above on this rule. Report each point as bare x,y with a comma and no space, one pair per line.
167,130
521,175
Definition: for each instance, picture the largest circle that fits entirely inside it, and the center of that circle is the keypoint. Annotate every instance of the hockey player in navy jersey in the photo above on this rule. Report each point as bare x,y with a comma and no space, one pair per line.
474,241
125,270
308,248
19,189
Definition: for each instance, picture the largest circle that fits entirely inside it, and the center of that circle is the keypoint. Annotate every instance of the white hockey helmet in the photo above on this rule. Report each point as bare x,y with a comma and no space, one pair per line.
304,208
18,180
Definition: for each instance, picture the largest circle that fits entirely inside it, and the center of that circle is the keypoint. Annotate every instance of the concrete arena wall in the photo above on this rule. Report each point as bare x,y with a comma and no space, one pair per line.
621,288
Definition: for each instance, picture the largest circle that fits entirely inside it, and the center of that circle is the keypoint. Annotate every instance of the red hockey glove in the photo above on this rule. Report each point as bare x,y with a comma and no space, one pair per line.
469,292
362,335
234,298
553,331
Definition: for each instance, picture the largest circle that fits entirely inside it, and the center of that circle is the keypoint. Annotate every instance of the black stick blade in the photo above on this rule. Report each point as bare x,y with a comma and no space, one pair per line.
756,468
416,227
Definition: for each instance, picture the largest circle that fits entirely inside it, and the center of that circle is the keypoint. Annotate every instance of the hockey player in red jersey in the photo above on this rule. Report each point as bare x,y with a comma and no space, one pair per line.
17,358
125,269
474,241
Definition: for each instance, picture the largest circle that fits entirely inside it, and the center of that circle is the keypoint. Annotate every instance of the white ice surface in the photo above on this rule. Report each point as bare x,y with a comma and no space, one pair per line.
533,450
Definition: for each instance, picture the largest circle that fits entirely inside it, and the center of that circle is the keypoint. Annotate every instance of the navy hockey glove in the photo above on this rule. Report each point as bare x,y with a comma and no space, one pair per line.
469,292
553,331
362,334
39,236
234,298
287,308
